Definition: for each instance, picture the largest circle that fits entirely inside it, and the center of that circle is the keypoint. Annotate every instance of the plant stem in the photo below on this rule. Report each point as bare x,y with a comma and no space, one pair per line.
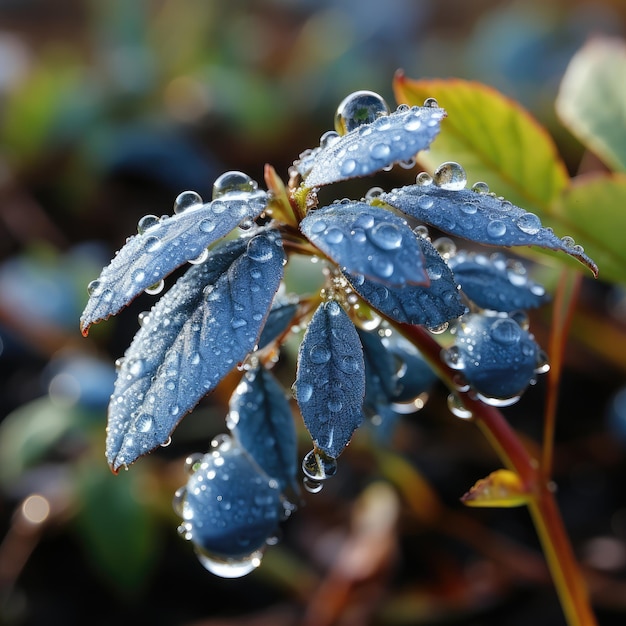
562,312
565,572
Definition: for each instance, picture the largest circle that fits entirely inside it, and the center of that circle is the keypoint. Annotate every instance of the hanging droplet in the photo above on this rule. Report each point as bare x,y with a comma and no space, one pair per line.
146,222
187,200
360,107
231,182
450,175
192,462
246,224
201,258
431,103
457,408
438,330
155,289
453,358
445,246
329,138
317,467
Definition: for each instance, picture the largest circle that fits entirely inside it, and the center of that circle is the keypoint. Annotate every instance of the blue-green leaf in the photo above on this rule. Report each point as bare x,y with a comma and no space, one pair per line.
262,421
431,305
367,240
480,217
330,380
193,337
372,147
160,248
492,283
278,321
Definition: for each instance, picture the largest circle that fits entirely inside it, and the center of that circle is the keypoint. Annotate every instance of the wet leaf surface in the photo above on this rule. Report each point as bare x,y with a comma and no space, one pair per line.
492,283
330,380
431,305
372,147
162,246
480,217
263,424
366,240
193,338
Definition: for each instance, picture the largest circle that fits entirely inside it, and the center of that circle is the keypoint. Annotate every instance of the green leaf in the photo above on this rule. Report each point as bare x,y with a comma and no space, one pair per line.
117,529
593,211
493,138
592,99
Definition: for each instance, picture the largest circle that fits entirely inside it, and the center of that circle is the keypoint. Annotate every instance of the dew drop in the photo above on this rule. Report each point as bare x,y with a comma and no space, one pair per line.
529,223
333,308
335,406
93,287
424,179
143,423
357,109
139,276
505,331
445,246
349,364
207,226
146,222
329,138
380,150
260,249
193,462
233,181
568,242
372,193
412,123
304,392
496,228
431,103
453,358
333,236
348,167
229,567
201,258
187,200
152,244
155,289
450,175
425,202
318,467
386,236
319,354
480,187
312,486
382,266
456,407
438,330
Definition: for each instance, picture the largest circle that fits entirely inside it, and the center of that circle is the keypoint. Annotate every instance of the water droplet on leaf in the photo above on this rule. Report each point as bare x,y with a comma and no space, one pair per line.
357,109
232,182
451,176
187,200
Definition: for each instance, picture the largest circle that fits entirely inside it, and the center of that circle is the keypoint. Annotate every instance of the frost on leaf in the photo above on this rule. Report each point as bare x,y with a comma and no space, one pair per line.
431,305
492,283
367,240
192,338
330,380
261,420
148,257
372,147
480,217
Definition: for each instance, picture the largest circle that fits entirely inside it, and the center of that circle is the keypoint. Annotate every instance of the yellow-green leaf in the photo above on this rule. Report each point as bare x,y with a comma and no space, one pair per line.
592,99
593,210
493,138
502,488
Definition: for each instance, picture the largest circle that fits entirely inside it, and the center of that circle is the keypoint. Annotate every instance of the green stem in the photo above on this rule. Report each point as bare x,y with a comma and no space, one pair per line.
565,572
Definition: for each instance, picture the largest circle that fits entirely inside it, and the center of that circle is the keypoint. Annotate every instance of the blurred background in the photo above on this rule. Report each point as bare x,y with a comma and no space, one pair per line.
108,110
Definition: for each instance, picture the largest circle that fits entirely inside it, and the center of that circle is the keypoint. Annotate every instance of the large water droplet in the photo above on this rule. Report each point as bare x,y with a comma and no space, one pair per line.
529,223
233,181
155,289
505,331
496,228
386,236
480,187
450,175
229,568
93,287
319,354
146,222
260,249
357,109
318,466
348,167
334,236
380,150
187,200
431,103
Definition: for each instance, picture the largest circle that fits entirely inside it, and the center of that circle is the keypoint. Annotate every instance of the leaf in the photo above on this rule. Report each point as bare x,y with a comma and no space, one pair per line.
230,507
494,138
330,378
502,488
193,338
148,257
263,424
116,527
481,218
592,99
367,240
372,147
431,306
594,207
492,283
278,321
